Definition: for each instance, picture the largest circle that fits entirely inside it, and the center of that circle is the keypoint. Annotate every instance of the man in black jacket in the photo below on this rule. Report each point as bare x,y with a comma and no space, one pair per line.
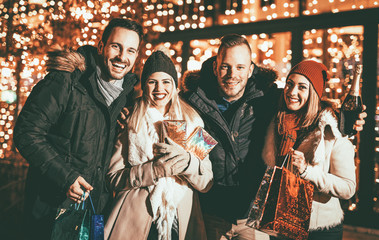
233,101
67,128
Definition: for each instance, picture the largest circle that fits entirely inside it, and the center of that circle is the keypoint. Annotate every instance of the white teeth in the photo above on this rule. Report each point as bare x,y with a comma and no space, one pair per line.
119,65
293,100
231,83
159,96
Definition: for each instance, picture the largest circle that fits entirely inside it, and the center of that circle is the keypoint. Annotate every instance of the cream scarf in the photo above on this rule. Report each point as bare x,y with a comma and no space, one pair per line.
110,91
168,192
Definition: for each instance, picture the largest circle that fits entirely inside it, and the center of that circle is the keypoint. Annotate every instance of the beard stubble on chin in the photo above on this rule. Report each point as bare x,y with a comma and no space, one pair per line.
232,96
107,65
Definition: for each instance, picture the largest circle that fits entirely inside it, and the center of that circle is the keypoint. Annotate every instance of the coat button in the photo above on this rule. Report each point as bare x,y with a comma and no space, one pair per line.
235,134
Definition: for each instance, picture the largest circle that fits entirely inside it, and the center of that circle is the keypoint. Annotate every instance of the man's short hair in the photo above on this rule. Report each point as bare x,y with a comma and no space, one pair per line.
124,23
231,40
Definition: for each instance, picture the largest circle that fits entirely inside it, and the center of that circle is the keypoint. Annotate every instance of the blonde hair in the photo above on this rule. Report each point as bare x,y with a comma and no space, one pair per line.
178,110
308,114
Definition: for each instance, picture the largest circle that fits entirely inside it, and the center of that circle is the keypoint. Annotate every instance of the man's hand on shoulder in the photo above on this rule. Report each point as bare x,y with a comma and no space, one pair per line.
122,118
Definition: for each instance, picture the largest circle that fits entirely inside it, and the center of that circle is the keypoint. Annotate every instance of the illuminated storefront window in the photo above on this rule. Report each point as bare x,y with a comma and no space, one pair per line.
243,11
233,12
201,51
340,49
313,7
272,51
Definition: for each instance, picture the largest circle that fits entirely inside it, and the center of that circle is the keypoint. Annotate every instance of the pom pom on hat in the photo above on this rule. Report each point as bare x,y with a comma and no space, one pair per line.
159,61
315,72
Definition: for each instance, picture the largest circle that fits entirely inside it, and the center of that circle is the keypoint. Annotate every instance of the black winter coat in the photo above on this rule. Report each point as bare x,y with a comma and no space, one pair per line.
66,130
236,160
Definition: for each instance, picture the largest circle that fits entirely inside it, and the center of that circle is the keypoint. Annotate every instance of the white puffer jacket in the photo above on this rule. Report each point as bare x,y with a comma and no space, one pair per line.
331,168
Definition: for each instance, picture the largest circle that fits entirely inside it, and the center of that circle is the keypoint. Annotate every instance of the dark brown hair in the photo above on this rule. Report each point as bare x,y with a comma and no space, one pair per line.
124,23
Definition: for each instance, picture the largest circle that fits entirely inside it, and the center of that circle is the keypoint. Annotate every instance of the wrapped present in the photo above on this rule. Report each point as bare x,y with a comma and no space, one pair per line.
200,143
176,130
282,206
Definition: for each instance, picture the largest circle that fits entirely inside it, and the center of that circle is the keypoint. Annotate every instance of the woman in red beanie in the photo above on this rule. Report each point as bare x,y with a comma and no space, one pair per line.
306,128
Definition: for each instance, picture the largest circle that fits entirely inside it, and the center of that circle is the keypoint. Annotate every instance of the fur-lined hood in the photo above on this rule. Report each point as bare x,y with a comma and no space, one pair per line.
262,78
65,60
327,129
82,66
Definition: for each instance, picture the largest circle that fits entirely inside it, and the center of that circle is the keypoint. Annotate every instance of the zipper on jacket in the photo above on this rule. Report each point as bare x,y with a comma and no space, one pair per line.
226,131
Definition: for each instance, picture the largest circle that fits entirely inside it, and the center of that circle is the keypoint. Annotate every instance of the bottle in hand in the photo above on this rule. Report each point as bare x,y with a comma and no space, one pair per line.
352,105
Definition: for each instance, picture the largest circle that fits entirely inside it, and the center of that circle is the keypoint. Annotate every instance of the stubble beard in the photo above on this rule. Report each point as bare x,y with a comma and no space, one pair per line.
228,92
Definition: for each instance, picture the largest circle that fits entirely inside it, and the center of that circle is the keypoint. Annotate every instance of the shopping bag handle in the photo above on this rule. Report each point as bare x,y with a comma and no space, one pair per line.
287,163
285,159
82,204
90,200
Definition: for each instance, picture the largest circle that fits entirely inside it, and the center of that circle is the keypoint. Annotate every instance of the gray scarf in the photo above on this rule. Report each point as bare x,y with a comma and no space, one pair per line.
110,91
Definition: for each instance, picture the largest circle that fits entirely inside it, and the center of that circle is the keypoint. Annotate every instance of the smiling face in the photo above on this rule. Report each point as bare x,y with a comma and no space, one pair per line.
159,88
296,92
119,53
233,68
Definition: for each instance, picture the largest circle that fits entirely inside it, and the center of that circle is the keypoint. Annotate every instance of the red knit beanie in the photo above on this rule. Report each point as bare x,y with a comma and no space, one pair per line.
315,72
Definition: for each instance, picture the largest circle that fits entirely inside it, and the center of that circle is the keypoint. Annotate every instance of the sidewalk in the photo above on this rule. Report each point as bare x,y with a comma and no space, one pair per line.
359,233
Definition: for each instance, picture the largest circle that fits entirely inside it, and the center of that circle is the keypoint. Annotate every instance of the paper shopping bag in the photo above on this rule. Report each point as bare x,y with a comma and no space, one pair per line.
282,206
78,223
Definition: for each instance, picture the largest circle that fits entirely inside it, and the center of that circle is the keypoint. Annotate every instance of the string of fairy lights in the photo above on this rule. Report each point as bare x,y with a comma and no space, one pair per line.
29,28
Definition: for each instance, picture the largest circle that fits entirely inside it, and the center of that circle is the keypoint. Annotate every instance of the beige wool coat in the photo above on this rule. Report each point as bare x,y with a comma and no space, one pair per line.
331,167
131,215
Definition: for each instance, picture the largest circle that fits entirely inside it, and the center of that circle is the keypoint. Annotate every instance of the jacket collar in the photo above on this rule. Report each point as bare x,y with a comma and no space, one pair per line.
91,59
204,81
83,60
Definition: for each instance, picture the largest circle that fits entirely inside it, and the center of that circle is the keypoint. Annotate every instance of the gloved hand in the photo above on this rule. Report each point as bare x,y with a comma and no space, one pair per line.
170,159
